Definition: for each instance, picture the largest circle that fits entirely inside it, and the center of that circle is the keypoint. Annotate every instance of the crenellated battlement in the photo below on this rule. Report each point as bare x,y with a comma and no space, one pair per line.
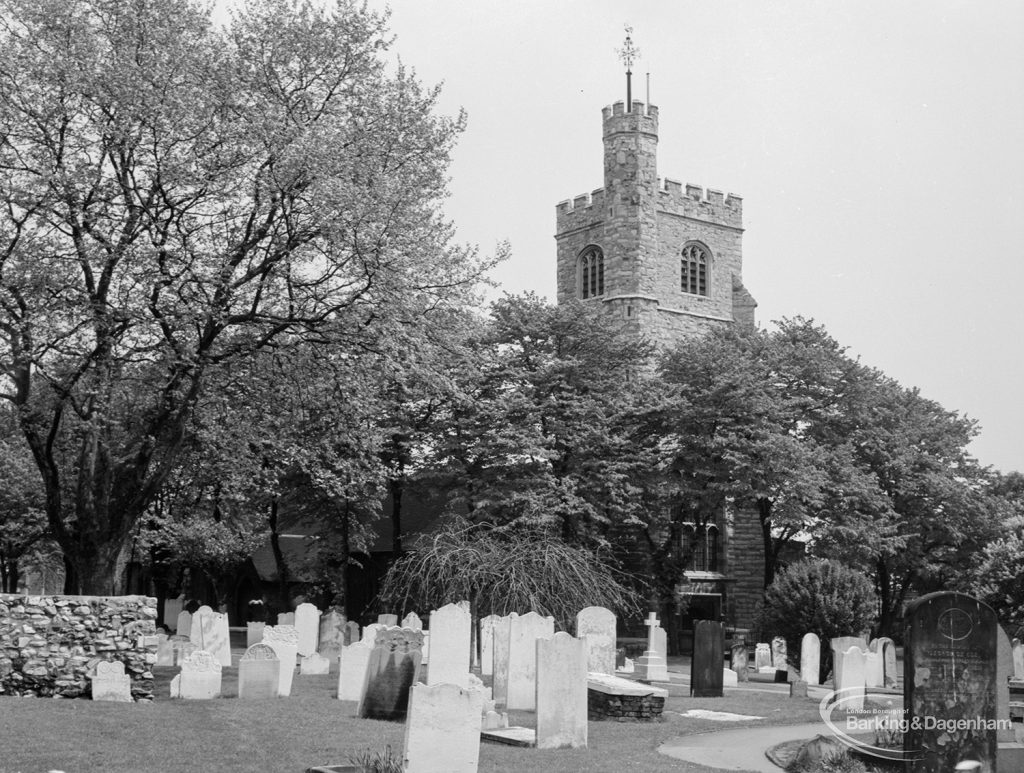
702,203
642,118
574,212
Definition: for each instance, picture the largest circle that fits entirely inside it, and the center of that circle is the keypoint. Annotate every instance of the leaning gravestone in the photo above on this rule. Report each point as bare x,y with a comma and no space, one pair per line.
949,675
442,731
450,630
561,692
522,657
739,661
110,683
285,641
874,669
307,625
597,626
487,625
259,672
810,659
352,664
390,673
706,678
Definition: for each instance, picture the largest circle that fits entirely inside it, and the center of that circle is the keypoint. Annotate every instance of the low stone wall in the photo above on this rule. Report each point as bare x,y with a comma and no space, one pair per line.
49,645
624,708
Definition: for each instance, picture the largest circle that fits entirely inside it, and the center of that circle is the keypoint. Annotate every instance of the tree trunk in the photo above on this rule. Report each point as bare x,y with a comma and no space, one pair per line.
397,486
284,601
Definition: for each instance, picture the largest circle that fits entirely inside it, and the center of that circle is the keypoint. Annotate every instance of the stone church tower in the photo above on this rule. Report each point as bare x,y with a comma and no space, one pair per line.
667,258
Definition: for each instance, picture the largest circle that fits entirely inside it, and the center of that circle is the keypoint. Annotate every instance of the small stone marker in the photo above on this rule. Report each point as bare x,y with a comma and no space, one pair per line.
729,678
487,625
390,674
412,620
110,683
286,618
387,620
259,673
184,626
522,657
352,664
798,689
651,666
200,677
450,630
442,731
763,656
352,633
561,698
597,625
307,625
950,666
314,665
810,659
285,641
739,661
706,679
253,633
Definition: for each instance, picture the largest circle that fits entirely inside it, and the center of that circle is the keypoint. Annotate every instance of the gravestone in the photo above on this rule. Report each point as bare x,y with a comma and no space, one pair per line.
442,731
200,677
851,675
524,631
874,674
370,632
181,648
286,618
763,656
387,620
332,634
314,665
597,626
352,634
110,683
164,650
184,626
949,675
487,625
253,633
285,641
307,626
810,659
561,692
352,664
886,648
706,679
392,669
450,630
651,666
259,674
210,633
842,644
729,678
173,608
1017,648
499,670
779,654
739,661
412,620
1004,670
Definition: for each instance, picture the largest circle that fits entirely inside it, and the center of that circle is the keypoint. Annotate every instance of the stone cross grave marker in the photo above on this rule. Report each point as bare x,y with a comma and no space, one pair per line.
487,625
524,631
561,692
651,666
597,626
259,672
390,674
442,731
706,677
110,683
950,664
307,625
810,659
450,628
352,664
285,641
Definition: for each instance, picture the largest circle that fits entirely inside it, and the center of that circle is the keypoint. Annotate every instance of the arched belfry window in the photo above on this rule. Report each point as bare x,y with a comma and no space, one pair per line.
694,273
591,272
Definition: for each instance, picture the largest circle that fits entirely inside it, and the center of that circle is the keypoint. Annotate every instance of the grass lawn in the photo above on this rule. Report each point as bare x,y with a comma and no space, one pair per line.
314,728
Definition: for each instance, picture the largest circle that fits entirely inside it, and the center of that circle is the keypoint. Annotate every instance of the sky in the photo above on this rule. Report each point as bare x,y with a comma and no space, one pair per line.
878,147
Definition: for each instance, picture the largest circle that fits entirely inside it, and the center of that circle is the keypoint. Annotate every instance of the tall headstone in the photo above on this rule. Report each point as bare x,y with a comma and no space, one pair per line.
164,650
739,661
597,626
307,624
949,674
253,633
412,620
502,634
352,670
442,731
487,625
886,648
285,641
259,672
561,692
184,626
762,656
522,657
450,630
1017,649
390,673
779,654
210,632
810,659
110,683
851,674
706,677
200,677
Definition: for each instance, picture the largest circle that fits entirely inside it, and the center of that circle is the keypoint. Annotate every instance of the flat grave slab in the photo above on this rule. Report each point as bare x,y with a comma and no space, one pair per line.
616,685
511,736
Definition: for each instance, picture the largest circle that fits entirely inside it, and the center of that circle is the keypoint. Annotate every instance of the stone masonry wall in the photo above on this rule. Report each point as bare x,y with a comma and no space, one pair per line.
50,644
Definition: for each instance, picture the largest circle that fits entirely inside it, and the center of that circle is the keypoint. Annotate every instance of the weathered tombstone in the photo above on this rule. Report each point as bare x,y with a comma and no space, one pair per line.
762,656
597,626
412,620
172,608
200,677
307,625
850,678
706,679
184,626
370,632
390,673
779,654
949,674
651,666
886,648
210,632
450,630
387,620
739,661
522,657
314,665
502,633
286,618
1004,670
253,633
561,692
181,648
332,633
874,674
285,641
352,664
487,625
352,634
810,659
110,683
1017,649
259,672
729,678
442,731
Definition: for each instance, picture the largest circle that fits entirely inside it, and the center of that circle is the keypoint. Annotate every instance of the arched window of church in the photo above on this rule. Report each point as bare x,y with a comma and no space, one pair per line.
694,273
688,546
711,548
591,272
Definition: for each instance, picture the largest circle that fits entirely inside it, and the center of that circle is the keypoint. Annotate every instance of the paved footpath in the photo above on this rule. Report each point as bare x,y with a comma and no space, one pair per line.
741,749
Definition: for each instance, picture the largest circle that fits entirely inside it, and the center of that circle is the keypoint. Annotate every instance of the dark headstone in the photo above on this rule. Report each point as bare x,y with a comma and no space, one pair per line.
949,677
390,673
706,671
798,689
740,661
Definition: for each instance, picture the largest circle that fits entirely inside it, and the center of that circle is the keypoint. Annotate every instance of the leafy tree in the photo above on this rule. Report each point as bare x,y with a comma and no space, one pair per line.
177,196
23,532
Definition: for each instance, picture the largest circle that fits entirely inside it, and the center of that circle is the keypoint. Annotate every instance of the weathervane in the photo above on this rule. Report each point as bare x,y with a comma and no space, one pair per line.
628,53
